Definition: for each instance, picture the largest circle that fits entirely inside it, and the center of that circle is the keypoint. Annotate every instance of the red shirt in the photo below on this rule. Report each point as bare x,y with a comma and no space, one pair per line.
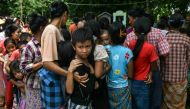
15,55
2,46
142,63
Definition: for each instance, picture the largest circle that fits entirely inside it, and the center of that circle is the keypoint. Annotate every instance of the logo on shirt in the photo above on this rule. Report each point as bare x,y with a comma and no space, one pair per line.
127,56
117,72
116,57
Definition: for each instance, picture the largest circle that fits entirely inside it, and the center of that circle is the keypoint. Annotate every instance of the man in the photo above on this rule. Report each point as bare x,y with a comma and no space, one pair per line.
156,38
174,68
51,94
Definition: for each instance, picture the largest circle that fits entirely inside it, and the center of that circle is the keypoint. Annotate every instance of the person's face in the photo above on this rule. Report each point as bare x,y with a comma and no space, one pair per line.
10,47
105,38
21,48
18,75
83,49
16,34
131,20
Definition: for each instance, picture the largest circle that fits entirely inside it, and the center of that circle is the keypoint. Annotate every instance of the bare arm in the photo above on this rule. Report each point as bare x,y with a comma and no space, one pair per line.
130,69
52,66
7,68
69,83
99,68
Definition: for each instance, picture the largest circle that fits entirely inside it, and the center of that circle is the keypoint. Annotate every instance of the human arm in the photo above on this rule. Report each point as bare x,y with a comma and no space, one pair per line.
130,69
69,83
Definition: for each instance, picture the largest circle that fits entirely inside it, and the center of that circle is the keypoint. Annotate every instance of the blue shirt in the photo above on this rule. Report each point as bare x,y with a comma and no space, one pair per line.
119,58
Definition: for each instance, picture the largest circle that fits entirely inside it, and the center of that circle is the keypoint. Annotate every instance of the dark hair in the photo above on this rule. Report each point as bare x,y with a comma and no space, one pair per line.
36,22
142,26
66,34
163,23
65,53
57,9
104,23
115,32
89,16
176,20
9,40
150,17
20,43
11,29
95,27
24,36
82,35
14,66
76,20
137,12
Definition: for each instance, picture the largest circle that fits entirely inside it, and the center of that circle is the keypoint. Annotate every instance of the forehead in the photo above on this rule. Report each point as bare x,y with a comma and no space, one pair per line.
10,44
87,42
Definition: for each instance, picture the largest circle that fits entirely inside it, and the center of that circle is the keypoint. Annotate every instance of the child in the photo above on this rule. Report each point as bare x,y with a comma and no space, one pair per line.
145,62
80,98
105,37
120,59
10,46
19,81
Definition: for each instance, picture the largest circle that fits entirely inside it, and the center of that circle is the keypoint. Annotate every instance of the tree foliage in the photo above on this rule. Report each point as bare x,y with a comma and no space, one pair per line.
161,7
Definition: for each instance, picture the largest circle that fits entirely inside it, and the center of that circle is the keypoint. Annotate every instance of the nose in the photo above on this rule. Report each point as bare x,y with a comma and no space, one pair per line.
84,50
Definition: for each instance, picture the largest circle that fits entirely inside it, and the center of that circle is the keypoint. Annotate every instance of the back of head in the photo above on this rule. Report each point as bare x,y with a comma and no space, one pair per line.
104,23
14,66
89,16
95,27
117,33
176,20
57,9
37,22
142,25
66,53
25,37
81,35
66,34
137,12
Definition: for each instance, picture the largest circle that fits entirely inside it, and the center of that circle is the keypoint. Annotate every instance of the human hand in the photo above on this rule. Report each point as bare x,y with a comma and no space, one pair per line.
148,78
74,64
81,79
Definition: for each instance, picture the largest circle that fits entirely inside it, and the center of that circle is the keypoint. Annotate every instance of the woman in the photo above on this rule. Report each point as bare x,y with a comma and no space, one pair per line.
31,61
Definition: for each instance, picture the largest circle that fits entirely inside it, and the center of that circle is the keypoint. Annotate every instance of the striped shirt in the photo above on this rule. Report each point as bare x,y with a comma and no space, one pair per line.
31,54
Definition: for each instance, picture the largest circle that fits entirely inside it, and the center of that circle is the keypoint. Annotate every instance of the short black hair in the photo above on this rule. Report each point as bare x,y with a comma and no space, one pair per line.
176,20
36,22
57,9
11,29
82,35
115,32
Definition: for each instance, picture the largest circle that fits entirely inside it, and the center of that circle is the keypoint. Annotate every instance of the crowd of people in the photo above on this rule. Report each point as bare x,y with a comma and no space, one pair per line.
94,64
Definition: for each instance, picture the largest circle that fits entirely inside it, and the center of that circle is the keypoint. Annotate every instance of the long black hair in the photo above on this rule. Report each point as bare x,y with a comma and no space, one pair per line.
142,27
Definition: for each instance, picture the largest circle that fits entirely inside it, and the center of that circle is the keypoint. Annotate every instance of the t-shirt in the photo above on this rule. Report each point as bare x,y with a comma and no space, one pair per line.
119,58
100,53
72,27
2,46
142,63
15,55
50,37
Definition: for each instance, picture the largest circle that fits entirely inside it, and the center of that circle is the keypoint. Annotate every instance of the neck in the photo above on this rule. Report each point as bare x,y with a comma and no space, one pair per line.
82,59
56,22
38,36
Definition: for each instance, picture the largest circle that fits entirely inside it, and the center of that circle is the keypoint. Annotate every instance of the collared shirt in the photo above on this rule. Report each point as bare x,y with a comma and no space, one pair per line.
174,67
154,37
31,54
